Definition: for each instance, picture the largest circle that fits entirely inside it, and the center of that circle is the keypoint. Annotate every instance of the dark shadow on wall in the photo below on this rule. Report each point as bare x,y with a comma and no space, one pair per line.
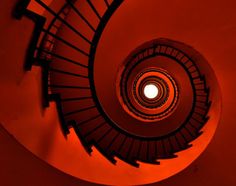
20,167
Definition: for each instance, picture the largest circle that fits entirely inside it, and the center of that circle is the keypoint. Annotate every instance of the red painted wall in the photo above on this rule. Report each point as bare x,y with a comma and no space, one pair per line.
209,26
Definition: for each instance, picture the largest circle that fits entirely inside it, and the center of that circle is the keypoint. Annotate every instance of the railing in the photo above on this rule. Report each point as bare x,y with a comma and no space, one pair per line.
41,53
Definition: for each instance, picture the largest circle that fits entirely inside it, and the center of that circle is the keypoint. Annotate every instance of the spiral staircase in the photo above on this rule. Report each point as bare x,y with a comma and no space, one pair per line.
103,101
71,84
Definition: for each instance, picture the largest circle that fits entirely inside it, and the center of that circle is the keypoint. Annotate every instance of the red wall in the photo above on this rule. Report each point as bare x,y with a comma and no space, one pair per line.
209,26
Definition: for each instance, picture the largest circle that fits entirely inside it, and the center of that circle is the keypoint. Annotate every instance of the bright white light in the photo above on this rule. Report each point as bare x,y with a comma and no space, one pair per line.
150,91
